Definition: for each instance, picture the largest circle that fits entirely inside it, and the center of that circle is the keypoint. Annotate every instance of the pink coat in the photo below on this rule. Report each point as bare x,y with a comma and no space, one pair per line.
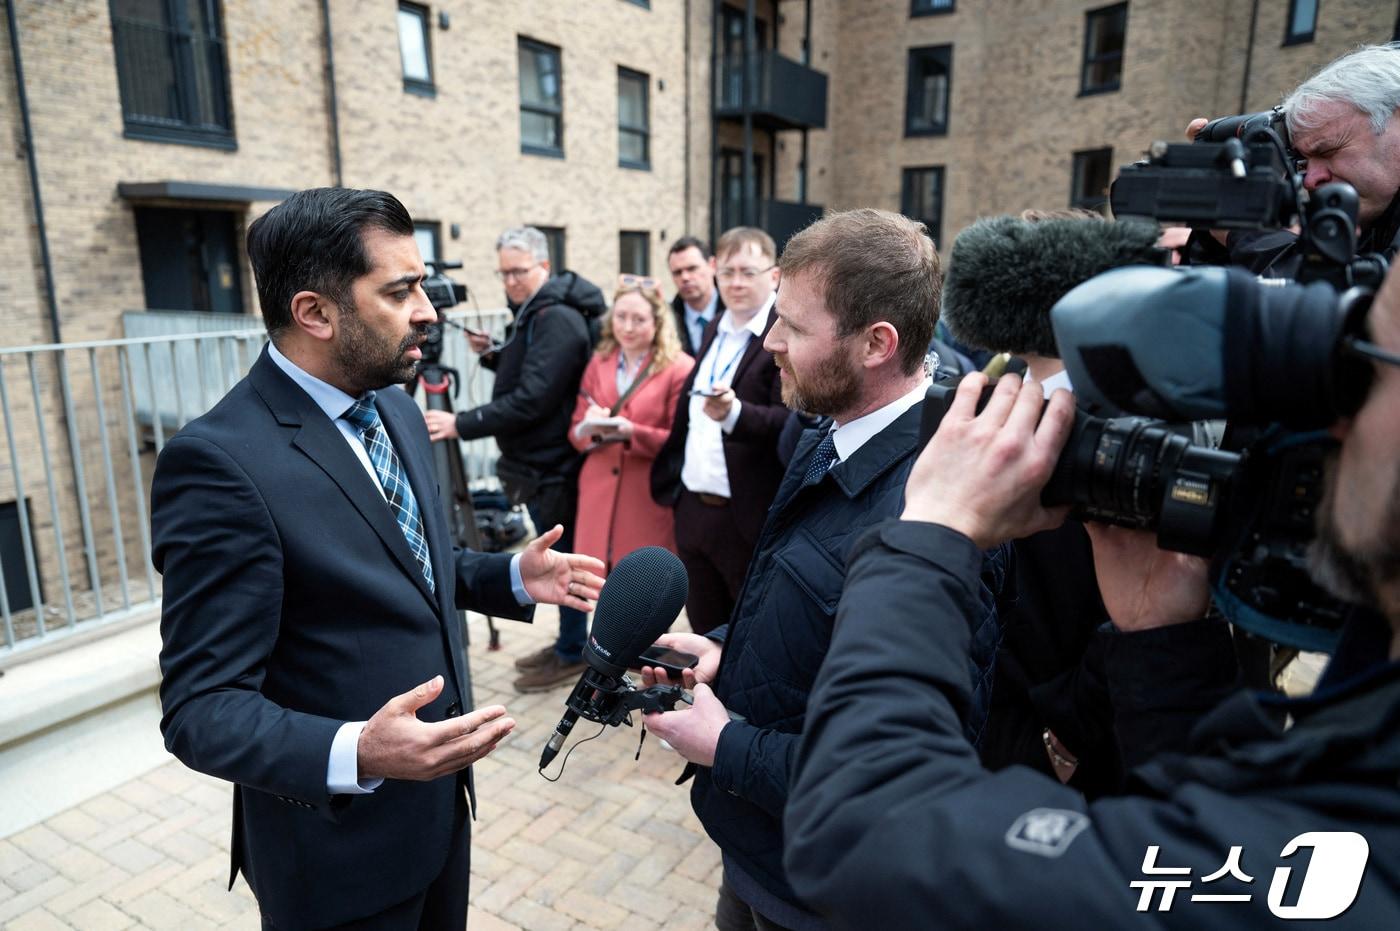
616,514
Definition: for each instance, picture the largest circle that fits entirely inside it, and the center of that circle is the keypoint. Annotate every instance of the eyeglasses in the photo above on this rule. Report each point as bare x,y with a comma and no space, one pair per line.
639,282
748,274
507,274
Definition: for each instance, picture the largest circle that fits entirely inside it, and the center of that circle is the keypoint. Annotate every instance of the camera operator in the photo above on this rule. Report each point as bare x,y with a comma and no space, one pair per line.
891,816
1341,125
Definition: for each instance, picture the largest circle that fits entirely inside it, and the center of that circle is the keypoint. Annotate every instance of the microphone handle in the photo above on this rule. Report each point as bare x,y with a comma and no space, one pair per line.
561,733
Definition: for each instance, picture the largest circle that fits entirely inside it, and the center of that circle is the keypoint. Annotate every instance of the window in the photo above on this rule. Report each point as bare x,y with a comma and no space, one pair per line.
641,3
633,135
921,198
428,235
930,74
634,253
1302,22
172,70
1105,32
930,7
414,49
190,259
554,236
1091,175
541,99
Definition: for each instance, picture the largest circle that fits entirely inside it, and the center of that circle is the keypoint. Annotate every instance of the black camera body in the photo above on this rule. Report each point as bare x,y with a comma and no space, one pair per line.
443,292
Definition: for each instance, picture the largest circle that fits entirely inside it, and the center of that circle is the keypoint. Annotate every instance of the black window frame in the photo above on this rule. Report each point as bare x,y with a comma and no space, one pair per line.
417,86
923,8
906,196
642,237
434,229
942,54
1079,198
187,129
644,4
643,131
555,236
557,113
1086,61
1302,38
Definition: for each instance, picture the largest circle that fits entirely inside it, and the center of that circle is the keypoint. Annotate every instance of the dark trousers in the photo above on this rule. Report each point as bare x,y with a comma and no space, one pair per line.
443,905
557,503
716,557
734,914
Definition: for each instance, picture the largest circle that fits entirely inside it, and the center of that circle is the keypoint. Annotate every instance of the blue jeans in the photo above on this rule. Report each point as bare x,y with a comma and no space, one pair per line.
573,623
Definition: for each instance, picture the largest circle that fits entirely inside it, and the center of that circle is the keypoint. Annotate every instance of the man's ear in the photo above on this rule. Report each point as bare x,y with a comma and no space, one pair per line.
881,344
713,264
312,314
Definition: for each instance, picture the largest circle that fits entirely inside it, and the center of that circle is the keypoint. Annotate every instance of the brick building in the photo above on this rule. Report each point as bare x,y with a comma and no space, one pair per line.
158,129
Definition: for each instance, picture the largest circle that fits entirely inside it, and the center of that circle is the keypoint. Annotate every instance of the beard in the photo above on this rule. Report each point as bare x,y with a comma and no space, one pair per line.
1357,573
369,361
833,387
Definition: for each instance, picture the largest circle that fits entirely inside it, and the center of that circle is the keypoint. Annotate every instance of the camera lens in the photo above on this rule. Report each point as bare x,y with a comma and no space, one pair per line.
1140,473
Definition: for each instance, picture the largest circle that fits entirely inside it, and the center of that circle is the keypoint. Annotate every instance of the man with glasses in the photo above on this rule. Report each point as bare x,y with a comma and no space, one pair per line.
538,369
697,302
719,468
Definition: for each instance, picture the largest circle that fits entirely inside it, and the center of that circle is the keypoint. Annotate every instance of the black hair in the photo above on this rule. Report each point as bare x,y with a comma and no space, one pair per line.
690,242
314,241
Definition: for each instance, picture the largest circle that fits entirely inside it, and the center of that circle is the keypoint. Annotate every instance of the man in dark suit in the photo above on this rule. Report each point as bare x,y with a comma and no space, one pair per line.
697,302
311,649
719,467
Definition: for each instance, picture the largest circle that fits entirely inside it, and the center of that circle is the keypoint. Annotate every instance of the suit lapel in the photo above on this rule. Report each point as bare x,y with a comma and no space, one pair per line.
323,443
752,350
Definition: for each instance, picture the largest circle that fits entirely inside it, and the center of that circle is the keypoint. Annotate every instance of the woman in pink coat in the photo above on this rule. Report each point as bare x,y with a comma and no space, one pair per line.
626,403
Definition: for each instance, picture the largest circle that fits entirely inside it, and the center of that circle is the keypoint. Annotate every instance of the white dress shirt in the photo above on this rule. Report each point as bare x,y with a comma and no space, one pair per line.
704,470
851,436
342,769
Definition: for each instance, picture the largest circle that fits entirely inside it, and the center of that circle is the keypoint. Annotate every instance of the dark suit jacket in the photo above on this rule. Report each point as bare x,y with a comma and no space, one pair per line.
678,311
750,451
292,604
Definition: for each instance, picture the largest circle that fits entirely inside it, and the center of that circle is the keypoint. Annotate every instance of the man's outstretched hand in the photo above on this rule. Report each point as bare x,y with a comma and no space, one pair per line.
569,579
396,745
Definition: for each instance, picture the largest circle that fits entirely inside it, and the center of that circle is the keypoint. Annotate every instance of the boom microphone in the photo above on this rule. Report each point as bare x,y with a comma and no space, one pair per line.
1005,273
640,600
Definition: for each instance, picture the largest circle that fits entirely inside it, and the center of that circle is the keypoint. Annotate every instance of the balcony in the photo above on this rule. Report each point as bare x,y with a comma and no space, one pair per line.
783,94
781,219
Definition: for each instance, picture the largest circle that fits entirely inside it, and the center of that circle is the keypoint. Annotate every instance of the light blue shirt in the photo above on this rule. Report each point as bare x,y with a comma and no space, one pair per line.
692,318
343,769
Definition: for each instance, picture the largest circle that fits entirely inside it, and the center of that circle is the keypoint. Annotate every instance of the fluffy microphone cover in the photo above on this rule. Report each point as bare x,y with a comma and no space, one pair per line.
1005,273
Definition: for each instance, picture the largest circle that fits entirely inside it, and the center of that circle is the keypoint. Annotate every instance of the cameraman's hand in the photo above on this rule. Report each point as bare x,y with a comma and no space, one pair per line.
708,650
981,474
442,425
1143,586
480,342
1195,126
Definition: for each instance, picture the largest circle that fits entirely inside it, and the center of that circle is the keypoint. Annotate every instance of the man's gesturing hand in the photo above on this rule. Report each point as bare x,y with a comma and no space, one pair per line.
981,474
568,579
396,745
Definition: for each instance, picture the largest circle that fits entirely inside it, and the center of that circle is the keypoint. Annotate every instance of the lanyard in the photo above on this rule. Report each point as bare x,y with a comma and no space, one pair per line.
714,361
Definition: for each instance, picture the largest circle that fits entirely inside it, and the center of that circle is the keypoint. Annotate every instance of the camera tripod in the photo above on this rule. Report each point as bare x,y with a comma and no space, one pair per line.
436,379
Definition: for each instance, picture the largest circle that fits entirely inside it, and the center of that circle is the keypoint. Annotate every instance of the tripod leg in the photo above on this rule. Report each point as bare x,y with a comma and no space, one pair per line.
493,642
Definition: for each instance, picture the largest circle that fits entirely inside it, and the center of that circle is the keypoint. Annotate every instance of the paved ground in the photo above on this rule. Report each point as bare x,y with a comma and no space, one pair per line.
613,845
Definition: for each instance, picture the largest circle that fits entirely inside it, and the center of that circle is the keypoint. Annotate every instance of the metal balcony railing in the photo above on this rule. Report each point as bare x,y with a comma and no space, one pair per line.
83,423
782,93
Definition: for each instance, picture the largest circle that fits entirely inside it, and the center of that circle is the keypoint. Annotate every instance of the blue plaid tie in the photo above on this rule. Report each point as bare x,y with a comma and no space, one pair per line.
822,459
363,416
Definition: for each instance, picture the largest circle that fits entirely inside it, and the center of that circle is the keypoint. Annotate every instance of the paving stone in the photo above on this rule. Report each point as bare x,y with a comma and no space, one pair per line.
38,920
75,824
100,916
109,808
591,909
159,911
536,917
32,875
478,920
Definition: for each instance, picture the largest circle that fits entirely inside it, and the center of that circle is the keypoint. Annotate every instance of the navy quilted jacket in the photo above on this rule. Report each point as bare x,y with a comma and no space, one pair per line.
779,634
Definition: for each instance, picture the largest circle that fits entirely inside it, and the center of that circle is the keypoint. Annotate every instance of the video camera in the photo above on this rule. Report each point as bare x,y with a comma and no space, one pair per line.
1281,360
443,292
1242,172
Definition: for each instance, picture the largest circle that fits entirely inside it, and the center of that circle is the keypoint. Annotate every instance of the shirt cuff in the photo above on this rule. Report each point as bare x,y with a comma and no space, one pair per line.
517,583
343,768
731,418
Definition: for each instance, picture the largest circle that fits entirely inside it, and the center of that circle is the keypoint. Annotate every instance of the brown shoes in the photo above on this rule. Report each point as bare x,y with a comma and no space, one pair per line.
546,671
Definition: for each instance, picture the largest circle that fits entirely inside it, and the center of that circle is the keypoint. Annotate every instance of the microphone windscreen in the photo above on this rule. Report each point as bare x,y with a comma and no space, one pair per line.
1005,273
640,599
